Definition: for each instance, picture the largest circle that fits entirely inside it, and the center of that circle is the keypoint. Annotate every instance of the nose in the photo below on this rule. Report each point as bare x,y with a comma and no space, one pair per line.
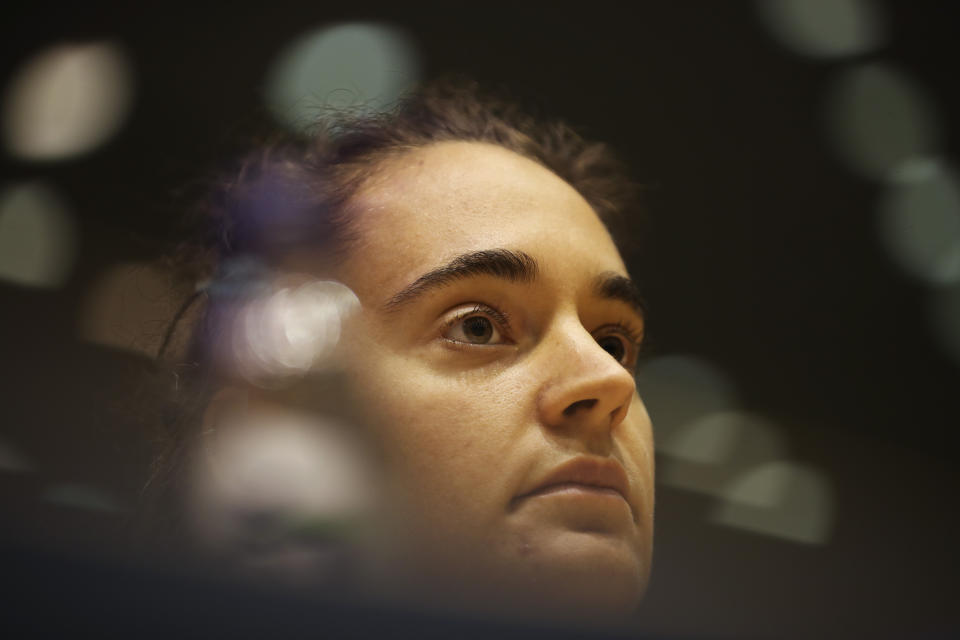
587,392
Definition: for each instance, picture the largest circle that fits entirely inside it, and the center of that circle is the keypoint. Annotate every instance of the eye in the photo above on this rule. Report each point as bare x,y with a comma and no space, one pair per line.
614,346
620,342
480,325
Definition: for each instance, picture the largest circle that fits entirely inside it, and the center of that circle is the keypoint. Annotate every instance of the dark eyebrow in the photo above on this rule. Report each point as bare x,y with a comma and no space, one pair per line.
515,266
614,286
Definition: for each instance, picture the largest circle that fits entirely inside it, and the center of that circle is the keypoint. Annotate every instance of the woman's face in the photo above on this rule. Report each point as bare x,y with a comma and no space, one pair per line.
494,353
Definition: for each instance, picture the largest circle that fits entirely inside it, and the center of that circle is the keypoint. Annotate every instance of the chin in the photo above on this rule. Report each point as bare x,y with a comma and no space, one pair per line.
591,576
545,573
586,577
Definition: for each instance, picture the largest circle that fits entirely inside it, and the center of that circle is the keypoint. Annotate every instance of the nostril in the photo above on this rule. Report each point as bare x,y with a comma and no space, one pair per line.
580,404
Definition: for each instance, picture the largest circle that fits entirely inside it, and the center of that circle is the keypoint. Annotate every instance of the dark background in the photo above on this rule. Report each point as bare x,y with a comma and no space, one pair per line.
759,253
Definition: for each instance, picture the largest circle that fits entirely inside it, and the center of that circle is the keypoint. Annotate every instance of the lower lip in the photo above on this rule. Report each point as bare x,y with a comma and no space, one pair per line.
572,489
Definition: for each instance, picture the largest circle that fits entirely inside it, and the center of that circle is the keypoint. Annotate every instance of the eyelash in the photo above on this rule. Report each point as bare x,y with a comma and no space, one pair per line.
502,319
632,337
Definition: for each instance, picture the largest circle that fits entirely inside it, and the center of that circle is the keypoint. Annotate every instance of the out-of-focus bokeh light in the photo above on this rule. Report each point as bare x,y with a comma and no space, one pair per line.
66,101
878,118
780,499
679,389
706,445
282,487
706,453
129,307
12,460
945,319
81,497
288,461
291,330
37,236
361,67
920,221
824,28
719,437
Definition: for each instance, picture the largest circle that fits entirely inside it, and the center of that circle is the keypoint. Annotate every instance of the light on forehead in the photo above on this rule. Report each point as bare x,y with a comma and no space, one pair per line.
425,211
473,178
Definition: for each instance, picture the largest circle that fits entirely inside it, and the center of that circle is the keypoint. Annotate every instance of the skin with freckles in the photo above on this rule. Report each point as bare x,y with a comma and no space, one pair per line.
485,379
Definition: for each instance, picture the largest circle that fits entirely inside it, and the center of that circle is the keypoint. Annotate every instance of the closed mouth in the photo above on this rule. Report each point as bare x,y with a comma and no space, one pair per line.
563,487
584,475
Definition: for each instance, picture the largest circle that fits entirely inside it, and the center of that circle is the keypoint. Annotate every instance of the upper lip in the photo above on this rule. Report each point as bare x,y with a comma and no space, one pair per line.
603,473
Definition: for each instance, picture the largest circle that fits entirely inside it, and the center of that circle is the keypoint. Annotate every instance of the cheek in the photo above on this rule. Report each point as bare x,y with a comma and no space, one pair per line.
638,449
641,432
443,435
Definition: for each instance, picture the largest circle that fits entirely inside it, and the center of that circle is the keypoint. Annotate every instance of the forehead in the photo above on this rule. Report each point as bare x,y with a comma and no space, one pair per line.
431,204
